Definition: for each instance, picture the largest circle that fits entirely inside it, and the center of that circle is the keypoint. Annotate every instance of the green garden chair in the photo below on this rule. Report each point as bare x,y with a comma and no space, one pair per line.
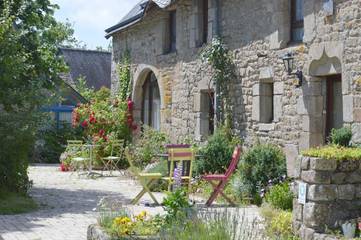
145,179
80,162
116,154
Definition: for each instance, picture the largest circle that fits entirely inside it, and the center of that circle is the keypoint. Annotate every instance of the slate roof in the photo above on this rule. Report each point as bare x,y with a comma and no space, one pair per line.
135,15
95,66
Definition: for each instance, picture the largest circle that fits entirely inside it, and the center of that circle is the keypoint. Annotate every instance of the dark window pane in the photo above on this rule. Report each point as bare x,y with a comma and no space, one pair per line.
172,31
297,17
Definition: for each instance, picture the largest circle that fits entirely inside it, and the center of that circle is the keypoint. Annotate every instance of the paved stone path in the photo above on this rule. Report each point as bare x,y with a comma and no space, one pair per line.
68,203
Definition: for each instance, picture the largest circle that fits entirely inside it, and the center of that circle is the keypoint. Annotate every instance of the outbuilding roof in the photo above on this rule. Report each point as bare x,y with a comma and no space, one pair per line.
135,15
95,66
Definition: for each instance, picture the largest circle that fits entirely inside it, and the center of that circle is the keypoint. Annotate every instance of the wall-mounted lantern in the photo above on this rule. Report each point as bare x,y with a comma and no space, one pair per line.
288,61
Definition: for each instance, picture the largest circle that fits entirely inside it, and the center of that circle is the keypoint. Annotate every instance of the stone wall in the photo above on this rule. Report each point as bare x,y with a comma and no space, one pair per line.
257,33
333,196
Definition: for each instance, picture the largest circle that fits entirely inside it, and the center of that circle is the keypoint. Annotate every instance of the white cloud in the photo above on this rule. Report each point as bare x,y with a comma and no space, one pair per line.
92,17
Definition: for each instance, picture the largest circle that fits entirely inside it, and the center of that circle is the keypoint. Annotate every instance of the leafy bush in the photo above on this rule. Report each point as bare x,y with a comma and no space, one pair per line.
334,152
278,223
280,196
174,204
217,154
17,130
51,141
258,165
147,145
341,137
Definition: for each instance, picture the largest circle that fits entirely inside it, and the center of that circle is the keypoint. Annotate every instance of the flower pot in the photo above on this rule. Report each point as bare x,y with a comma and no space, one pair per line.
349,230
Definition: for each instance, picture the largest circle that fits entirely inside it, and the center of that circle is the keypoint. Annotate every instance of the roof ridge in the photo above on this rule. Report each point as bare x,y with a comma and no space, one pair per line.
84,50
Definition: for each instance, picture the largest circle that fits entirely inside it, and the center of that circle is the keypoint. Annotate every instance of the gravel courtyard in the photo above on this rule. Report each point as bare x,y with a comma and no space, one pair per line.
68,204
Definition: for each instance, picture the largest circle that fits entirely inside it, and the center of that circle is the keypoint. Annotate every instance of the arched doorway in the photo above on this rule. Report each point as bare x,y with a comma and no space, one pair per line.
151,102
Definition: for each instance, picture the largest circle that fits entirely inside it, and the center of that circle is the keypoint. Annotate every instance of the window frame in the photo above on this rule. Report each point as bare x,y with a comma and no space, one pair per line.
149,85
296,24
172,32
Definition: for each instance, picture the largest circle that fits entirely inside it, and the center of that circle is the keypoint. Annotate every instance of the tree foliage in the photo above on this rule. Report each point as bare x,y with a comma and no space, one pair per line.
30,69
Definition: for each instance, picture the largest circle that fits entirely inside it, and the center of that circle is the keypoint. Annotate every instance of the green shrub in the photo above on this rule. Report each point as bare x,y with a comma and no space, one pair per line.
278,223
175,204
334,152
217,153
341,137
259,165
51,141
147,145
280,196
16,140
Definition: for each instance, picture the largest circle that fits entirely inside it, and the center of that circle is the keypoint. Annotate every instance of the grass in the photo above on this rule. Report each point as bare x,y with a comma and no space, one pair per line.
15,203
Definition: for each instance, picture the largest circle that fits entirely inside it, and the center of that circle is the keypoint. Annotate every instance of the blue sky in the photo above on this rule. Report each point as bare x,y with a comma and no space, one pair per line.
91,17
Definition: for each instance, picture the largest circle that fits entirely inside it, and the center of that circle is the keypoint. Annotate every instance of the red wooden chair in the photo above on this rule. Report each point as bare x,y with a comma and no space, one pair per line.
223,179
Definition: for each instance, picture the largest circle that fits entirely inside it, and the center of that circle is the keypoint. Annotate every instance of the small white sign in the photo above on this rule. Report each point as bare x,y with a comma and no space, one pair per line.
328,7
302,193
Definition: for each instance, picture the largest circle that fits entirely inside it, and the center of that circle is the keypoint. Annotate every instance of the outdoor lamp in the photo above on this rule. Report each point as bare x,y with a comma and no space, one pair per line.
288,60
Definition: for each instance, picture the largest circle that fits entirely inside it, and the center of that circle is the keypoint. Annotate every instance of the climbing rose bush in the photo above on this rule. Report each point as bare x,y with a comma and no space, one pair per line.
103,120
105,117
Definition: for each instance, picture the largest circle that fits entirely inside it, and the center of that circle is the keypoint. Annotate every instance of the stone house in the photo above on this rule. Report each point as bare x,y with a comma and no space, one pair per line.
171,85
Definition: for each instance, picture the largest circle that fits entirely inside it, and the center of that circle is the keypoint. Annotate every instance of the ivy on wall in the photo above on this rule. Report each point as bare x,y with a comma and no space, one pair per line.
125,87
219,57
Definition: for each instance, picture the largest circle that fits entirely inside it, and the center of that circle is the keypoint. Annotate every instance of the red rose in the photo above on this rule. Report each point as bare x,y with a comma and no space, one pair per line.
101,132
130,105
134,127
92,119
84,124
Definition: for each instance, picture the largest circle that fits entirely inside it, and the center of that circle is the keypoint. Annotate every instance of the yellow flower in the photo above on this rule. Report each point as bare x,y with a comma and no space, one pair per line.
141,216
121,220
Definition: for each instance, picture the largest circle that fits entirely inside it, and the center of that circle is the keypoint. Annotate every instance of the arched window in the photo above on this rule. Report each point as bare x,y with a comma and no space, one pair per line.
151,102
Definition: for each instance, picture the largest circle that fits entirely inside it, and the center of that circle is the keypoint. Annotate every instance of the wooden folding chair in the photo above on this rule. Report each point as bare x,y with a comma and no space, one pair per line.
116,154
145,179
223,179
180,155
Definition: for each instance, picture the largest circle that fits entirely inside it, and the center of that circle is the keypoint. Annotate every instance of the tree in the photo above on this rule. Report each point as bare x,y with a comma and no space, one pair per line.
29,72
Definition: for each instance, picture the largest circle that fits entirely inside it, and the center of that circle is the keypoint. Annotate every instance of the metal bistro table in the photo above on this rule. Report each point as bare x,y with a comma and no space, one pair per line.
90,172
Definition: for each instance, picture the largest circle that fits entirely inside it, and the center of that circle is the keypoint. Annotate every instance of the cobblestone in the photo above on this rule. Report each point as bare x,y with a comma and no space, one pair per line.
67,204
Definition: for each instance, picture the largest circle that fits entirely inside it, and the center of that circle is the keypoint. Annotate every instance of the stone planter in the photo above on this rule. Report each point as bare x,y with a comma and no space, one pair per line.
333,196
96,233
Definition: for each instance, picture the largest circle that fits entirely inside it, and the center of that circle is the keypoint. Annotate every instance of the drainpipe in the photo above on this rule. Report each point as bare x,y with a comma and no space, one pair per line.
217,95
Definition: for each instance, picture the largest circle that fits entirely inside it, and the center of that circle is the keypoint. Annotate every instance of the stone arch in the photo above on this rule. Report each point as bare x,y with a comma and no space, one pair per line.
325,59
139,78
325,66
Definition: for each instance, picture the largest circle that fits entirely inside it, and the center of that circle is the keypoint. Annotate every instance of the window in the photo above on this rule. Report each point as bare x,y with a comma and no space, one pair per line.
151,102
172,32
266,102
334,105
203,22
206,113
297,25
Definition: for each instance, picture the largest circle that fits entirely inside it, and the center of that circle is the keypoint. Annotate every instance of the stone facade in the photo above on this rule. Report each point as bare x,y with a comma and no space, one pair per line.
333,196
257,33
